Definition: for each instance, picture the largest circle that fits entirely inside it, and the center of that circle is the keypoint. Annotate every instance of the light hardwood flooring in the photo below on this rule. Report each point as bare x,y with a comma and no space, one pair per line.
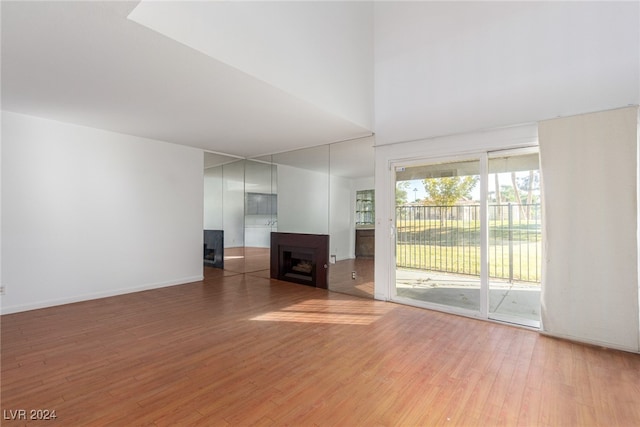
246,260
340,277
256,261
241,349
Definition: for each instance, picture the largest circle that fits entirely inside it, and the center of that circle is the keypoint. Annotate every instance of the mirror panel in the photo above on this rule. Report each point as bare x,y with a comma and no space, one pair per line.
351,267
233,215
214,209
302,180
260,213
310,191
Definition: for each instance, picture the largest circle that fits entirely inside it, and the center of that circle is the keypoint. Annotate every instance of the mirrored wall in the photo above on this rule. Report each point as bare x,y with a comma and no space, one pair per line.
351,170
308,191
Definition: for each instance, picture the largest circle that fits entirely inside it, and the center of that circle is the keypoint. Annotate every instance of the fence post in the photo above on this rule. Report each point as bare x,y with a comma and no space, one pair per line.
510,243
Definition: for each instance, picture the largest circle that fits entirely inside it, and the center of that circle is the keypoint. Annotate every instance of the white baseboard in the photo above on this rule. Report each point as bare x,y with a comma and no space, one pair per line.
97,295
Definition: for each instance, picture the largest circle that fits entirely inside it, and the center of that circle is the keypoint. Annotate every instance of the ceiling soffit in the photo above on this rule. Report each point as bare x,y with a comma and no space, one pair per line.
318,51
86,63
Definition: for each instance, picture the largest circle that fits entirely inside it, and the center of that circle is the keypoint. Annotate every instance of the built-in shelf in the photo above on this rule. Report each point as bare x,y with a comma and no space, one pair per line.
365,207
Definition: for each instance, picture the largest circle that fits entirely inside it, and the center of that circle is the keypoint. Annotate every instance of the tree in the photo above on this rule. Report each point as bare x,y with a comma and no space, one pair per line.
517,193
401,192
447,191
507,194
529,184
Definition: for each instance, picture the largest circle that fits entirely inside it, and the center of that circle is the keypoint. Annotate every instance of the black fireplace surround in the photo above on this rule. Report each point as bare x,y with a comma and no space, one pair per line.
213,255
300,258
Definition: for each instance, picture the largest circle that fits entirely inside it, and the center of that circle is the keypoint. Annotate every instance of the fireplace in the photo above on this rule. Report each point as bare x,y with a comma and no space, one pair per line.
300,258
213,255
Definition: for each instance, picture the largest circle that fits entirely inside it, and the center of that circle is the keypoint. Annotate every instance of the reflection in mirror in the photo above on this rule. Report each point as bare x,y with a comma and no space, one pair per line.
217,168
303,190
233,215
352,210
299,244
325,190
260,215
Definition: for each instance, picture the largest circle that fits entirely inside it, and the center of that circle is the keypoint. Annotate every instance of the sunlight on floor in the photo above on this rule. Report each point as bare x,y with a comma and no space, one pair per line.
329,311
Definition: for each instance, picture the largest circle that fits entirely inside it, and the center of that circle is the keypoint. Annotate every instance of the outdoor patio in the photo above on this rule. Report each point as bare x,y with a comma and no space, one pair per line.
510,300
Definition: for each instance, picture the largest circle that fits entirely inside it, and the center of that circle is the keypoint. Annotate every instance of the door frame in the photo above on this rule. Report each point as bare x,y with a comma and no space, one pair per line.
482,156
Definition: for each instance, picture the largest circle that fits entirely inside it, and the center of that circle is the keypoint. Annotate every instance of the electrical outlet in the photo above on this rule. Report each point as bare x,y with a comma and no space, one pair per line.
2,290
353,275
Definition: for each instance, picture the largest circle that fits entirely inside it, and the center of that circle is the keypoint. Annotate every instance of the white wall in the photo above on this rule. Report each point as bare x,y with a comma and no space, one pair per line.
449,67
359,184
302,201
88,213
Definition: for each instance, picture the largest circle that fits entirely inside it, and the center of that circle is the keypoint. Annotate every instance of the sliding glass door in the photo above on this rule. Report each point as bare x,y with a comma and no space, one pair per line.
515,237
468,236
438,243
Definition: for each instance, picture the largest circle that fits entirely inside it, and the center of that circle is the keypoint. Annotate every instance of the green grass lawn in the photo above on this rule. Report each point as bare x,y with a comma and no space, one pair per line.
454,246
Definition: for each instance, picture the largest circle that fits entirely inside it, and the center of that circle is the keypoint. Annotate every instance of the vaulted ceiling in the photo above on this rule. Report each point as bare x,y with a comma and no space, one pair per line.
212,75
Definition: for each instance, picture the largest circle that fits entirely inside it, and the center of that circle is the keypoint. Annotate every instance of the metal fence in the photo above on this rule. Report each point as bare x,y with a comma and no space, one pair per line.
447,239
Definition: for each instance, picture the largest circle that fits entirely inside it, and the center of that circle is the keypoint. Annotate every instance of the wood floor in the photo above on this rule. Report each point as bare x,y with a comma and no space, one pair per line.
257,262
341,279
241,349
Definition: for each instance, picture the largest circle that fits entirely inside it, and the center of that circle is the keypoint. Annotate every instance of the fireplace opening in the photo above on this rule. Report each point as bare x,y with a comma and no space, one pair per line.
300,258
298,265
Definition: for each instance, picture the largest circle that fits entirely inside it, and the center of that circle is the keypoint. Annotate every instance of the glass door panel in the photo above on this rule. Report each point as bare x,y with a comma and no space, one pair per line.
515,238
438,234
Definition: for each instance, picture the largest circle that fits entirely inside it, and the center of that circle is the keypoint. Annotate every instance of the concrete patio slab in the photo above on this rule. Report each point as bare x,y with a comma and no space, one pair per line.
519,300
